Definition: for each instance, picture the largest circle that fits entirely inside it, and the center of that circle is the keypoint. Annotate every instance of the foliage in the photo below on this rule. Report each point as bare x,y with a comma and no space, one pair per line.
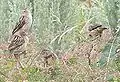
110,50
59,25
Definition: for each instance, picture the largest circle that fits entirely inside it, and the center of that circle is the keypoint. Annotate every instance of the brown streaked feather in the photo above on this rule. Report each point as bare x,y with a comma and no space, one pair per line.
19,25
94,27
100,30
16,42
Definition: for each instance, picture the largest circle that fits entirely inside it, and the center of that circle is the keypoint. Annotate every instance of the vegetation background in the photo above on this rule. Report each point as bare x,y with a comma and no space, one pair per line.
58,25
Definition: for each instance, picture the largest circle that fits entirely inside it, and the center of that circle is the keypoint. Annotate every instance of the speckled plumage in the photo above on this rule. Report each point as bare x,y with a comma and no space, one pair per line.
19,39
24,23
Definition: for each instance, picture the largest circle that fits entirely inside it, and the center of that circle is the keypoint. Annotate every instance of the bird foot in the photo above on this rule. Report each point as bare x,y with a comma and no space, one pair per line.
19,65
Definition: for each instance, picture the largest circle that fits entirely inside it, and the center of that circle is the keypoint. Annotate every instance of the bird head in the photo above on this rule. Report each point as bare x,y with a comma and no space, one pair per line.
28,16
26,12
94,26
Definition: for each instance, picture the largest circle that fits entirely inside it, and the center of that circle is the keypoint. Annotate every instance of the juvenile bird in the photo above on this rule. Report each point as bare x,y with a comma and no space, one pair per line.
47,54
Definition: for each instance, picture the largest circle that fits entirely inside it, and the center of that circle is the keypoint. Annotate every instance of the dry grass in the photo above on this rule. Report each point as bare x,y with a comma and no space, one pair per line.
73,66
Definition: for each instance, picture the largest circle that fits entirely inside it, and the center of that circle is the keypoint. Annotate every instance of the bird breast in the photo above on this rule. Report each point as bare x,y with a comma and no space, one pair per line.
26,40
30,19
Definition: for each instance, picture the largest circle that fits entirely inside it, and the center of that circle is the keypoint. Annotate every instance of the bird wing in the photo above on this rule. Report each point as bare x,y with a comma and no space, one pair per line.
16,42
94,27
19,25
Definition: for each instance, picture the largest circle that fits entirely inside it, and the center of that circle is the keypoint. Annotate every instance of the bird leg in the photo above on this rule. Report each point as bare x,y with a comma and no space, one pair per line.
89,60
45,62
18,61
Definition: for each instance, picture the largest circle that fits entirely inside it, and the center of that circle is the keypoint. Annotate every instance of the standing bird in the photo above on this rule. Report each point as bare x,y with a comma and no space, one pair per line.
19,38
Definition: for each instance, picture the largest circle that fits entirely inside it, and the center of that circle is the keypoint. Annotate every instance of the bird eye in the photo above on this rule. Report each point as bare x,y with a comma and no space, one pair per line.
23,10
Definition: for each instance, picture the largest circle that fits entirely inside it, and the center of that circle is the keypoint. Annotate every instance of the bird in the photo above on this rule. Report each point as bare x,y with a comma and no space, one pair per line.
25,21
19,38
96,30
95,26
18,45
47,54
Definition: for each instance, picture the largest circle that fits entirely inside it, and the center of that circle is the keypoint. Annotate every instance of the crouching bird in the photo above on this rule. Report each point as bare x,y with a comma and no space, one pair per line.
96,30
48,57
18,45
